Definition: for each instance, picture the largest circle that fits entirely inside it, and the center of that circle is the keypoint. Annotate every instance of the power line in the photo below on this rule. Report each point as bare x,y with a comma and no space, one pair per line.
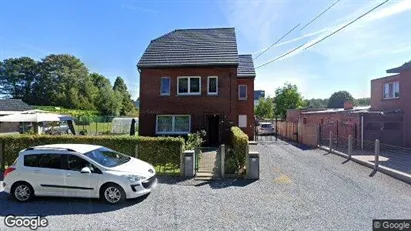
320,15
347,24
279,57
289,52
276,41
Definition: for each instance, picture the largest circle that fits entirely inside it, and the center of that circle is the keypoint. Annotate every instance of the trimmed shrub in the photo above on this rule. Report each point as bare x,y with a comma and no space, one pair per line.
158,151
195,140
239,141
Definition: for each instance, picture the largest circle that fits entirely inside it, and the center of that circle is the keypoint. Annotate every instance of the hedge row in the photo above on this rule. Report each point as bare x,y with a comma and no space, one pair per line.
158,151
239,141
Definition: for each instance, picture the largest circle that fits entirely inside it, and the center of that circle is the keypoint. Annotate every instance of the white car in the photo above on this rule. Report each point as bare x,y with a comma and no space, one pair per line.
78,170
265,128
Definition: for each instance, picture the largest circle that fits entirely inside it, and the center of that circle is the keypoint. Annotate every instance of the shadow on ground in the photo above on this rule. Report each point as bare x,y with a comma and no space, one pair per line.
51,206
214,184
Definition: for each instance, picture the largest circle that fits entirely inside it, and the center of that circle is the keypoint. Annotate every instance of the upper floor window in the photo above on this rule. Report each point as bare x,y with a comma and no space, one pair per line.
212,82
165,86
391,90
242,92
189,86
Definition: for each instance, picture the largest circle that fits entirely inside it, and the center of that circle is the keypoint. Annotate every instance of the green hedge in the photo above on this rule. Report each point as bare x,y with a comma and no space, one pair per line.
158,151
239,141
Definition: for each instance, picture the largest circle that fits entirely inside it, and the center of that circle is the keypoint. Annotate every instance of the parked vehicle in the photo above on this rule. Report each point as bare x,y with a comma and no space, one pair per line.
265,128
78,170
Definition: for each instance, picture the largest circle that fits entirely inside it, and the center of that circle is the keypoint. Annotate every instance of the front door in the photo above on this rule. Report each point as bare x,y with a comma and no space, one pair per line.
213,130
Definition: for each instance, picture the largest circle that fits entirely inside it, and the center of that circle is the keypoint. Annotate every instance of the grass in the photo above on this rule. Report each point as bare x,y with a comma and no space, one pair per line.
95,128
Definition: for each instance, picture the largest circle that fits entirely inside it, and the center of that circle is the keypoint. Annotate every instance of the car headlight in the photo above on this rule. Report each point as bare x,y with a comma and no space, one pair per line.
135,178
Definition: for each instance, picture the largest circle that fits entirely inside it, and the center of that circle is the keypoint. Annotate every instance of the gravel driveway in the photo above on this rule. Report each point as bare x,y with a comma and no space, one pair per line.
298,190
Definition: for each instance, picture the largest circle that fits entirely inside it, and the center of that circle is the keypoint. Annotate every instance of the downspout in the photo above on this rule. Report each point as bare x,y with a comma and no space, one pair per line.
362,132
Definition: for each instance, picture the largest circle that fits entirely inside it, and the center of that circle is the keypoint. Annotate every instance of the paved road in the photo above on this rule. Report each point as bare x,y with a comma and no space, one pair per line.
298,190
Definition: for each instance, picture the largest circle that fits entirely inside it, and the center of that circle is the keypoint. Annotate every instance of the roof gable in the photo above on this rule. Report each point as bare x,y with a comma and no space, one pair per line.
192,47
13,105
246,66
404,67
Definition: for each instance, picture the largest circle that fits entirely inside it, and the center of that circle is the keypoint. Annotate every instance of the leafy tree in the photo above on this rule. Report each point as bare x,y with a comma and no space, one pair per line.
17,76
108,101
317,103
127,104
363,101
338,98
99,81
265,108
61,76
287,97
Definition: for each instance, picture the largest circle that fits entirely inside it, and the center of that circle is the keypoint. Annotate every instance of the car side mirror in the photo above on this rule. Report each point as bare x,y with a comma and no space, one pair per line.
85,170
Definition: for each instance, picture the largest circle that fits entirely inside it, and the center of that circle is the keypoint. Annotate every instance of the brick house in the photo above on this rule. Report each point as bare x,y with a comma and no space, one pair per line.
194,79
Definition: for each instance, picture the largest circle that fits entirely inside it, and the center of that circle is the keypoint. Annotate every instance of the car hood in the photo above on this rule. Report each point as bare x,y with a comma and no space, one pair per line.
135,166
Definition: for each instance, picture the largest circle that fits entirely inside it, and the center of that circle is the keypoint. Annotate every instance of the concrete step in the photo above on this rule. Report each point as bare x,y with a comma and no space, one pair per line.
207,176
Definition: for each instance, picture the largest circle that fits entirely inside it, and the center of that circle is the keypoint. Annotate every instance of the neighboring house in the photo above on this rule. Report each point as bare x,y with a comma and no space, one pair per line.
388,119
193,79
9,107
257,95
391,94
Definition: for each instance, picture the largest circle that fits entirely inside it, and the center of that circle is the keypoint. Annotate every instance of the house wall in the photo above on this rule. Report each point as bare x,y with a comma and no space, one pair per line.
198,106
402,103
246,107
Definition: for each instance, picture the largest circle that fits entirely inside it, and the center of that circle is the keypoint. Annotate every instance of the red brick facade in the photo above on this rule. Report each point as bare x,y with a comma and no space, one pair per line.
225,106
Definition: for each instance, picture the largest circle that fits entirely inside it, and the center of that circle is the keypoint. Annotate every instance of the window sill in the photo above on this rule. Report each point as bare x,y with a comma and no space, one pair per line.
172,133
196,94
212,94
388,99
164,94
242,99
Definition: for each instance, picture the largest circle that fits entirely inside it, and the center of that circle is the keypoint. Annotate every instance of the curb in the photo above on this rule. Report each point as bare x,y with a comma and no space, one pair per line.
404,177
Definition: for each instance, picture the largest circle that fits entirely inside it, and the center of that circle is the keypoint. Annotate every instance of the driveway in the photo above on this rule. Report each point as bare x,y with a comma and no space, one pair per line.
299,190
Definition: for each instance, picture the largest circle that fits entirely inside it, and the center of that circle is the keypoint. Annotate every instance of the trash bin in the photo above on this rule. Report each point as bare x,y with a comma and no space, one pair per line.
253,171
189,161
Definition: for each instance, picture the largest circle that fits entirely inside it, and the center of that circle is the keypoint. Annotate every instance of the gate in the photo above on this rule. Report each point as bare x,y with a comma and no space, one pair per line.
340,131
207,162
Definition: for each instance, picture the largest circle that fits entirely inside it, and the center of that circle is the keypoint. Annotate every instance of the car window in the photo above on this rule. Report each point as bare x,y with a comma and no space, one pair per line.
266,126
32,160
50,161
76,163
107,157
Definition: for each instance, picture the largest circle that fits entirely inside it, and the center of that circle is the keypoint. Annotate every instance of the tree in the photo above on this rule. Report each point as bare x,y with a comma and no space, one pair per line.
17,76
338,98
127,104
363,101
265,108
317,103
108,101
61,76
287,97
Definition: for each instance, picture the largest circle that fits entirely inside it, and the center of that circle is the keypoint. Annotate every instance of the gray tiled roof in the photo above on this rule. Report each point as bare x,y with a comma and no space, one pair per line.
245,66
13,105
404,67
192,47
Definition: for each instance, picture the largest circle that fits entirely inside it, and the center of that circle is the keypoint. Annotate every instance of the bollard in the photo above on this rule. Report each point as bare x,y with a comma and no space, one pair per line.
377,153
330,141
349,146
222,156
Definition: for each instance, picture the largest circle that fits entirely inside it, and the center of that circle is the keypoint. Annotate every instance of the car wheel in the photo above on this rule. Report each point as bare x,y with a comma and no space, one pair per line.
113,194
22,192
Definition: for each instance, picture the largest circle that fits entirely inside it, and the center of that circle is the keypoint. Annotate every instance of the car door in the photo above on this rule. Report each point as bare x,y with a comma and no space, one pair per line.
79,184
49,175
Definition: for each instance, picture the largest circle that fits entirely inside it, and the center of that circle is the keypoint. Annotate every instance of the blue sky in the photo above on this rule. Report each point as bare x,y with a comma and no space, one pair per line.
110,36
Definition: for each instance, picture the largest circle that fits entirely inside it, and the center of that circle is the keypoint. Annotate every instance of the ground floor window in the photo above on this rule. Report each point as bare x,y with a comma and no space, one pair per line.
242,121
173,124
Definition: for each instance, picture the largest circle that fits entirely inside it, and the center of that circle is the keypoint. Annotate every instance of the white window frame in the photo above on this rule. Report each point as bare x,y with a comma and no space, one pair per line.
188,87
173,125
395,87
239,92
161,86
208,85
240,125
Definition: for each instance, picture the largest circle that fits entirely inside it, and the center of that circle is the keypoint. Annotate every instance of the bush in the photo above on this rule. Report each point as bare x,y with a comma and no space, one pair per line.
158,151
239,141
195,140
231,163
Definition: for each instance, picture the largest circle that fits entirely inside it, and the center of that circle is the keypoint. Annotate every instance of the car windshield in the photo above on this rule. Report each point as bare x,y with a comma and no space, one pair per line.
266,126
107,157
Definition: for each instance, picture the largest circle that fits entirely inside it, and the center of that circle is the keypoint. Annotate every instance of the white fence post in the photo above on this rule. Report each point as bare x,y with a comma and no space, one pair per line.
377,153
331,141
349,146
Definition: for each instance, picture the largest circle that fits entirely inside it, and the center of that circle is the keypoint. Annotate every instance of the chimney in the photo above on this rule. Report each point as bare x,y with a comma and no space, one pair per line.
348,105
